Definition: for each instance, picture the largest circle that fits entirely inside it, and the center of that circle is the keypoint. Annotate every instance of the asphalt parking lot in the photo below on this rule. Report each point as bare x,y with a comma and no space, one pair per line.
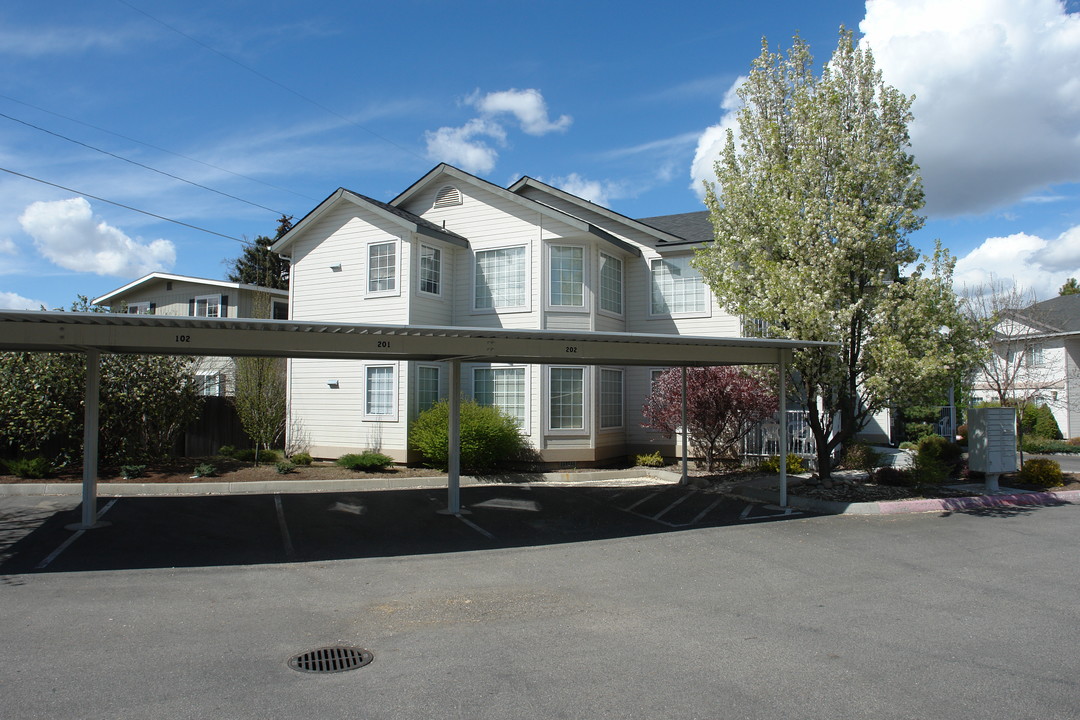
572,603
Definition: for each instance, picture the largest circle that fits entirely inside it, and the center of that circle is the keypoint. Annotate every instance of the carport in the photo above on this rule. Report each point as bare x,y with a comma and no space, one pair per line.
95,333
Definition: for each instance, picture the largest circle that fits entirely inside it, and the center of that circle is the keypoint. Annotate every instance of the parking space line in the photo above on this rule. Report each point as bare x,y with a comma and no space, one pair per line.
71,540
290,551
658,515
476,527
650,496
746,512
706,511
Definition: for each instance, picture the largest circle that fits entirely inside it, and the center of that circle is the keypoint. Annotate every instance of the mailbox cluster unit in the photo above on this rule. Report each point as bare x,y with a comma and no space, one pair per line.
992,440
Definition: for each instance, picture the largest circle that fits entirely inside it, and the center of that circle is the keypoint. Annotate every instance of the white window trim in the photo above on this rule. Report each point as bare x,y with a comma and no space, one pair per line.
392,416
397,269
215,379
707,312
440,393
586,405
622,288
600,398
547,275
527,307
208,298
442,273
527,424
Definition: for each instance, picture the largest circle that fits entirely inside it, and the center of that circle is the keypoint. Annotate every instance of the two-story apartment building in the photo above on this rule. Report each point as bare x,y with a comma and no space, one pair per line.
180,295
454,250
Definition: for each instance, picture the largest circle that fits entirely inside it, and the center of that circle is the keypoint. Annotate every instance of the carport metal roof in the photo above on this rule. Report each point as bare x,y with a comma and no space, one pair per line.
94,333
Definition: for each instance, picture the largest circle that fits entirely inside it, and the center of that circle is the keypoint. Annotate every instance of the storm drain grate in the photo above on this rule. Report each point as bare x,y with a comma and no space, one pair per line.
331,660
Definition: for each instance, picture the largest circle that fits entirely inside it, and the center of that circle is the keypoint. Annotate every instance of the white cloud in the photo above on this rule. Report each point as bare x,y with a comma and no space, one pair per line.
595,191
7,247
39,42
997,88
527,106
711,142
463,147
11,301
66,232
1031,262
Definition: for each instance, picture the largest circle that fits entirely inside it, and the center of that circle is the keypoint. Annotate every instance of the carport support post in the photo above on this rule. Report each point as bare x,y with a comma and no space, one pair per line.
684,480
782,407
453,480
91,402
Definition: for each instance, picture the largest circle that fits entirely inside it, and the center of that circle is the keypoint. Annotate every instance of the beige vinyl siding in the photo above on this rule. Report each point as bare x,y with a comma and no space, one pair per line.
1072,388
342,238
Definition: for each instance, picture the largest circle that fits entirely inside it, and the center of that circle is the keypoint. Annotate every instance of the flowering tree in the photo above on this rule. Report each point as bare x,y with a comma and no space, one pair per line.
723,404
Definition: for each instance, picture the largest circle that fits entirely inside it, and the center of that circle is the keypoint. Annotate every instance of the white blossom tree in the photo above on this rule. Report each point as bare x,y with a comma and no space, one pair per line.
812,210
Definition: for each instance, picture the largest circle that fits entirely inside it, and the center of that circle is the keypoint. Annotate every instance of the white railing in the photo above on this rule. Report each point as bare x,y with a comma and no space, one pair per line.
764,440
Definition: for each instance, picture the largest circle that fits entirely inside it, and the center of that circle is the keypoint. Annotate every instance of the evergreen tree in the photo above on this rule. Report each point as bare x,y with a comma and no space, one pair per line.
257,265
1071,287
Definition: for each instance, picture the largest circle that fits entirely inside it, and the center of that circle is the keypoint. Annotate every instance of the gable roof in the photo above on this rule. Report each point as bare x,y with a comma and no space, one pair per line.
1056,315
155,276
544,209
396,215
666,233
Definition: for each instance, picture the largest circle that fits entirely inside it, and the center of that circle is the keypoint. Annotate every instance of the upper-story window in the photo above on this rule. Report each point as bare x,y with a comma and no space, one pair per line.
140,308
567,276
430,270
501,279
1034,356
382,268
611,284
677,287
281,310
207,306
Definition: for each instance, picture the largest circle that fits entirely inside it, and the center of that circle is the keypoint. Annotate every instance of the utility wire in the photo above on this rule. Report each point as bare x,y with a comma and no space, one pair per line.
271,80
139,164
126,207
156,147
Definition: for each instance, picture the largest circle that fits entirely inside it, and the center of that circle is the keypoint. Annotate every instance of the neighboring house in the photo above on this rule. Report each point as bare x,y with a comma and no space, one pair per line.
165,294
1037,359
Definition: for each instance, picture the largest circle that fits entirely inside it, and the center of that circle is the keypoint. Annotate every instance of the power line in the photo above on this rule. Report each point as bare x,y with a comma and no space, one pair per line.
139,164
271,80
126,207
158,148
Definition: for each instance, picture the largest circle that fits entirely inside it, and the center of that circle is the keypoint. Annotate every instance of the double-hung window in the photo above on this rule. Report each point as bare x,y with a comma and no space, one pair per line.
380,394
382,268
427,386
611,284
501,387
208,306
1035,357
140,308
566,398
430,280
611,398
501,279
567,266
677,287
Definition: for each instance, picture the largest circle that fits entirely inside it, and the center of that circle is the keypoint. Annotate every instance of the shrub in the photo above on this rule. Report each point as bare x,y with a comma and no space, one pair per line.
367,461
893,477
795,464
31,468
908,445
962,434
1039,420
204,470
284,468
1041,446
248,455
916,431
301,458
489,436
651,460
227,451
936,460
860,456
129,472
1041,472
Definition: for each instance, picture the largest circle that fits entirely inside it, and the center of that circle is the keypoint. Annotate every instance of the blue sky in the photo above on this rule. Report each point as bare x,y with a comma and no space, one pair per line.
270,106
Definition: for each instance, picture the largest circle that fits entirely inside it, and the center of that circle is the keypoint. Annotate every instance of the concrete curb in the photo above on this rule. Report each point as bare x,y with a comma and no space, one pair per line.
895,507
127,489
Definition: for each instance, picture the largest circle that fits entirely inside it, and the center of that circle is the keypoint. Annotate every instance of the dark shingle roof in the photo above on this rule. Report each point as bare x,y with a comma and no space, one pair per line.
693,227
1060,314
405,215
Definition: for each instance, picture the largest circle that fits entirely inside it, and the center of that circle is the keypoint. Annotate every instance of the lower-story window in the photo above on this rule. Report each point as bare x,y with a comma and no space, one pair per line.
379,392
611,398
566,398
502,387
427,386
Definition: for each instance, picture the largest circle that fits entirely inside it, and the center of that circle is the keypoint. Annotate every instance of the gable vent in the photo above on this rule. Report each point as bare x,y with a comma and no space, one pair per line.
447,197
